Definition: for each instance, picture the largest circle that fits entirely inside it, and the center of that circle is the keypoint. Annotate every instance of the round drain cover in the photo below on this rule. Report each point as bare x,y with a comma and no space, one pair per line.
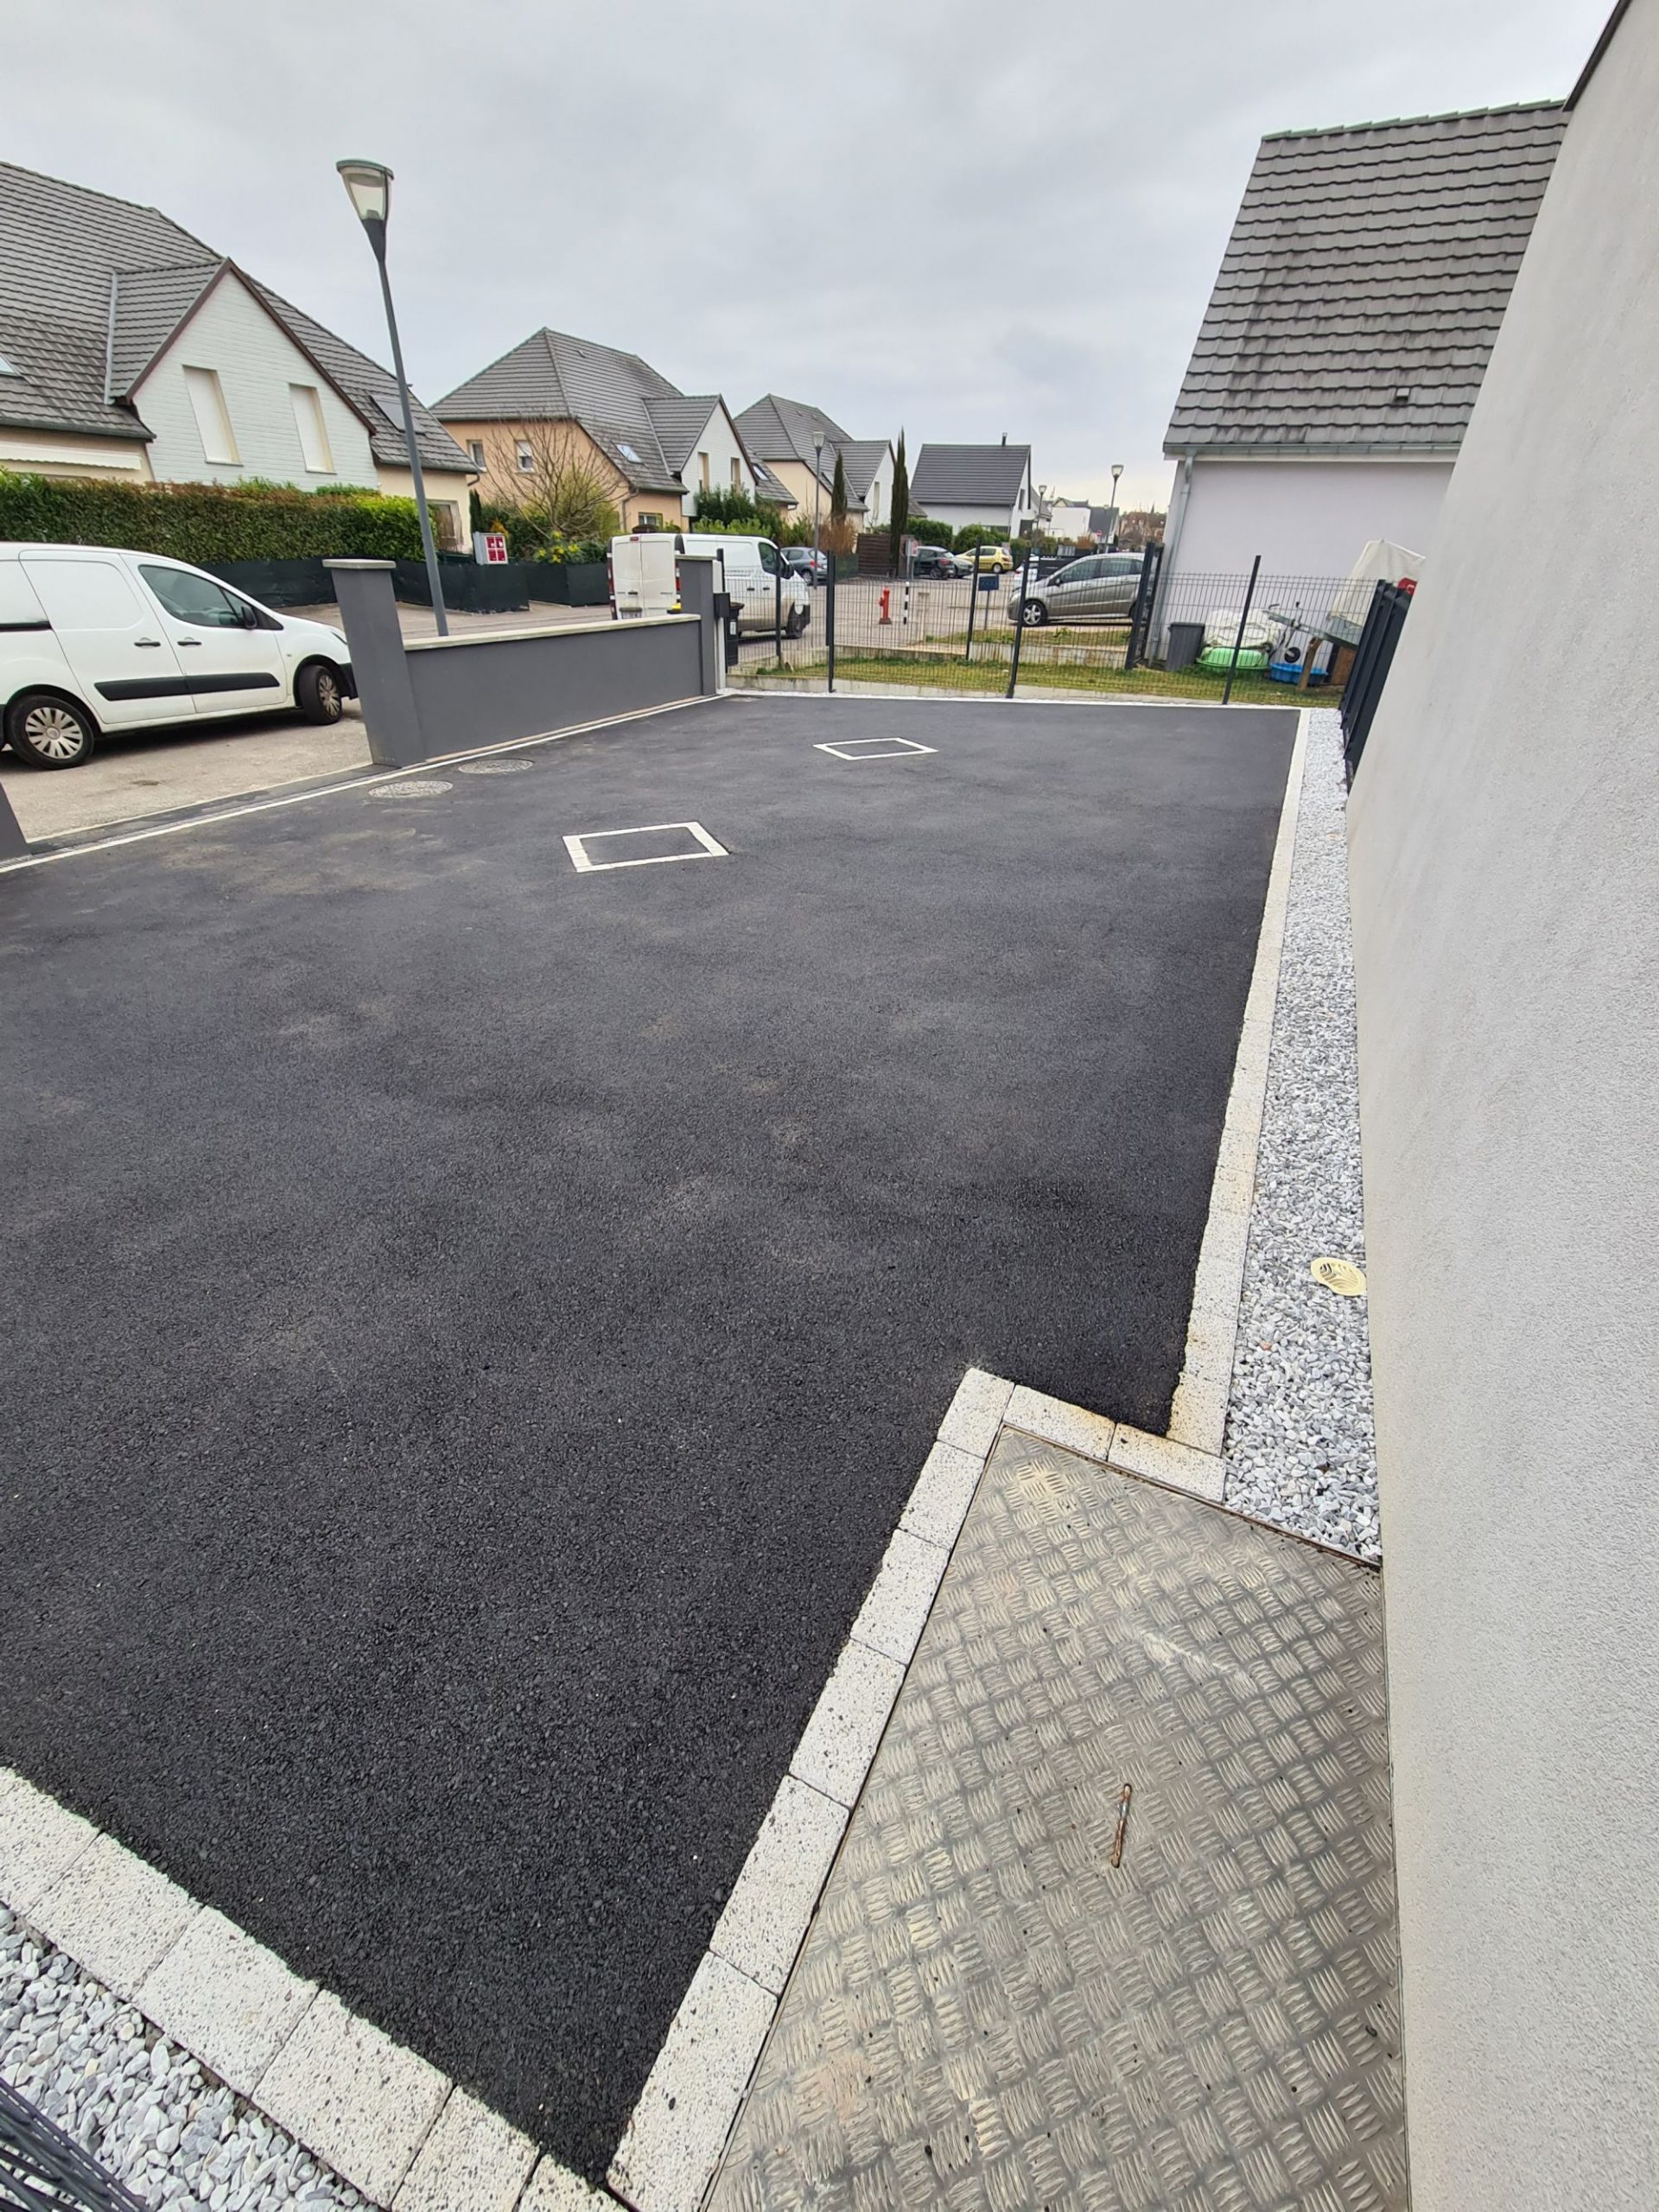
415,787
1340,1275
494,767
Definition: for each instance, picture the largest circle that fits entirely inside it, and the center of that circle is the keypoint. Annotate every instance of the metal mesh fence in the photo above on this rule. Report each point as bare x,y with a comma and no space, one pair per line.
1120,629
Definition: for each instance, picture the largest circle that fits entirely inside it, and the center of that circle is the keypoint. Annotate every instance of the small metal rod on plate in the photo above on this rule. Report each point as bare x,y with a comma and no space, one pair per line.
1123,1824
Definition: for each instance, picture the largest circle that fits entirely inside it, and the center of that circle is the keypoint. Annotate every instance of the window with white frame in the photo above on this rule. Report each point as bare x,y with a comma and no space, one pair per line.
475,447
307,401
703,470
213,417
525,454
737,473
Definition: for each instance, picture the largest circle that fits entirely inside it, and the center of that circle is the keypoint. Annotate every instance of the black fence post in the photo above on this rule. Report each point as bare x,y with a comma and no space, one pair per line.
1238,642
1019,616
1136,652
1373,656
777,606
829,626
973,594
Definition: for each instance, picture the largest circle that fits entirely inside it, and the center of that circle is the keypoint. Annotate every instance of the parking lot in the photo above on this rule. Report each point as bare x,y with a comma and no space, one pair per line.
477,1310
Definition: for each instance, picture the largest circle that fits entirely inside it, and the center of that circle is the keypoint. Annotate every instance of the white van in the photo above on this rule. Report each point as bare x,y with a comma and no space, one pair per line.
92,639
645,574
752,569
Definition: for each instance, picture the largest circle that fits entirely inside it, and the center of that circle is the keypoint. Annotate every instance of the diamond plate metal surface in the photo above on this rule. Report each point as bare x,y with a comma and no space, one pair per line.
985,2012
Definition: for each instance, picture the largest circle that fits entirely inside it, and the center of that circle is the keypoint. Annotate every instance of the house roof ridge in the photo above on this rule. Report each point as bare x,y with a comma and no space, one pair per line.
1405,121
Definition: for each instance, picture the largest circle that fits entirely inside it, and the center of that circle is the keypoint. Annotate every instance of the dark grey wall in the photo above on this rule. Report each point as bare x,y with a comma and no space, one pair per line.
443,695
480,691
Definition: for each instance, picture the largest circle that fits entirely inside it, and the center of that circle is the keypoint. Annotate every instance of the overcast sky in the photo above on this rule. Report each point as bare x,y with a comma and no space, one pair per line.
966,217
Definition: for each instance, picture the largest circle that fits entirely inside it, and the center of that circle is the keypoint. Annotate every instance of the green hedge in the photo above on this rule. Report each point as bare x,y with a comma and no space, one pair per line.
208,522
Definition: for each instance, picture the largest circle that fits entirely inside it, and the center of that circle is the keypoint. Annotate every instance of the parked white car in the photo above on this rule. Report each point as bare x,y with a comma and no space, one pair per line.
760,586
92,639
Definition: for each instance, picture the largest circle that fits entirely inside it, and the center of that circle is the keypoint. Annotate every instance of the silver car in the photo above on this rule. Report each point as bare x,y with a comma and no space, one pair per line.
1100,588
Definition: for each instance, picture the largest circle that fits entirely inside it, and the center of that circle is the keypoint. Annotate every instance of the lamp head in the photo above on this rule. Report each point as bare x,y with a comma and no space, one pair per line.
369,187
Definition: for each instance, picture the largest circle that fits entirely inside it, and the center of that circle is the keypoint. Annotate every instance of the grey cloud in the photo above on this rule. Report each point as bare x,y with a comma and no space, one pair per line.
966,216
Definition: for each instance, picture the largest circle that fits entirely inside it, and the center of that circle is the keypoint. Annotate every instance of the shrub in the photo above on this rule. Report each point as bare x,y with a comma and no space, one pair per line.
736,513
209,523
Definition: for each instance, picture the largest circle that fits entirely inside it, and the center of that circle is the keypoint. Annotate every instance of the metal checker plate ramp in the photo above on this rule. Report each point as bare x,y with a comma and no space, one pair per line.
985,2013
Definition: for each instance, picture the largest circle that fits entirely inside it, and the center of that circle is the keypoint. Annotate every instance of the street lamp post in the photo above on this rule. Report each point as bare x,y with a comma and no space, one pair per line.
1117,470
369,184
817,487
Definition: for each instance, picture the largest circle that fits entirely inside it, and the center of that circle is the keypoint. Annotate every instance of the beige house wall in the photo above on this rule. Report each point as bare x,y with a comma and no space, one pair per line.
800,480
446,498
502,481
71,453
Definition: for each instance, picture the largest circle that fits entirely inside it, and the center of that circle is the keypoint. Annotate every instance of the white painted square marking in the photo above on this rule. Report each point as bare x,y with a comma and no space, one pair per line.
704,848
875,748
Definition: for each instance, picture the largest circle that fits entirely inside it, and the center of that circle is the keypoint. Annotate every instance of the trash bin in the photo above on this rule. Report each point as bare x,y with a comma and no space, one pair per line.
1185,644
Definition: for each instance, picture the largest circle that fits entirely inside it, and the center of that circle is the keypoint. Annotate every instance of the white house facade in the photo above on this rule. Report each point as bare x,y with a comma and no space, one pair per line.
130,350
231,396
1339,357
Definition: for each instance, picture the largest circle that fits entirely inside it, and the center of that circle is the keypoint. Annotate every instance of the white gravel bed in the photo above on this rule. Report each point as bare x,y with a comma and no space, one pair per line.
141,2106
1299,1449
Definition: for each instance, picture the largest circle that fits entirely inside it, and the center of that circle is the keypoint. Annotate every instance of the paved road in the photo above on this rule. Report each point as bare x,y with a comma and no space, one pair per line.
472,1325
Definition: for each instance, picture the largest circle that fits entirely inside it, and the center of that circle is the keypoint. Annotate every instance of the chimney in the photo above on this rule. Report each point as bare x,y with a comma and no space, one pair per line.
1005,437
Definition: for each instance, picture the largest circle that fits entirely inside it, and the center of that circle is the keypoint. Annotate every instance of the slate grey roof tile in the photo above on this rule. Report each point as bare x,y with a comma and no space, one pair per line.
61,244
968,476
1365,263
782,429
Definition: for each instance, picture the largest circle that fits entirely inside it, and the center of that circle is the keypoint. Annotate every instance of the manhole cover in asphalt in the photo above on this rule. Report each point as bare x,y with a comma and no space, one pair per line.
1339,1275
494,767
417,787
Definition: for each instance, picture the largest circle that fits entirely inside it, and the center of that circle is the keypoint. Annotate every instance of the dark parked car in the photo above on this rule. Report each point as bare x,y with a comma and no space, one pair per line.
935,561
815,567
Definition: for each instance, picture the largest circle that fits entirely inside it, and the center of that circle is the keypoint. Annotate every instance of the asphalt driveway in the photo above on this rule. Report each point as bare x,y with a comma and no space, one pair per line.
472,1322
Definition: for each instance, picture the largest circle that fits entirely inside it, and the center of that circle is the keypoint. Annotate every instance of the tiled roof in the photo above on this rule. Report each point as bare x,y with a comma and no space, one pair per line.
968,476
147,306
554,378
782,429
60,245
679,423
1362,286
860,458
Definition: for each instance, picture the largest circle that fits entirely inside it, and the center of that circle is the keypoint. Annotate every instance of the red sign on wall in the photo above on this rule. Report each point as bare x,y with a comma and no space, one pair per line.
489,547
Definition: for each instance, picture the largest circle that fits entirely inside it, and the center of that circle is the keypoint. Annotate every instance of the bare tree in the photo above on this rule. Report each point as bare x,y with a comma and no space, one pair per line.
564,487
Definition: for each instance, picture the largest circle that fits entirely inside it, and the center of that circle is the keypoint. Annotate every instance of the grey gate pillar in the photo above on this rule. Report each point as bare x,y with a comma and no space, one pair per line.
698,597
368,614
13,846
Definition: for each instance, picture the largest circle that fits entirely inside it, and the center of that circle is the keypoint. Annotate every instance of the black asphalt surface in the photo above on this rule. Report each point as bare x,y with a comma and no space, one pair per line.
471,1327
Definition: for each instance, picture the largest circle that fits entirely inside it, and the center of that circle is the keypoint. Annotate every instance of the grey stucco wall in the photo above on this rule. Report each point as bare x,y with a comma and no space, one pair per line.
484,688
1504,834
480,691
